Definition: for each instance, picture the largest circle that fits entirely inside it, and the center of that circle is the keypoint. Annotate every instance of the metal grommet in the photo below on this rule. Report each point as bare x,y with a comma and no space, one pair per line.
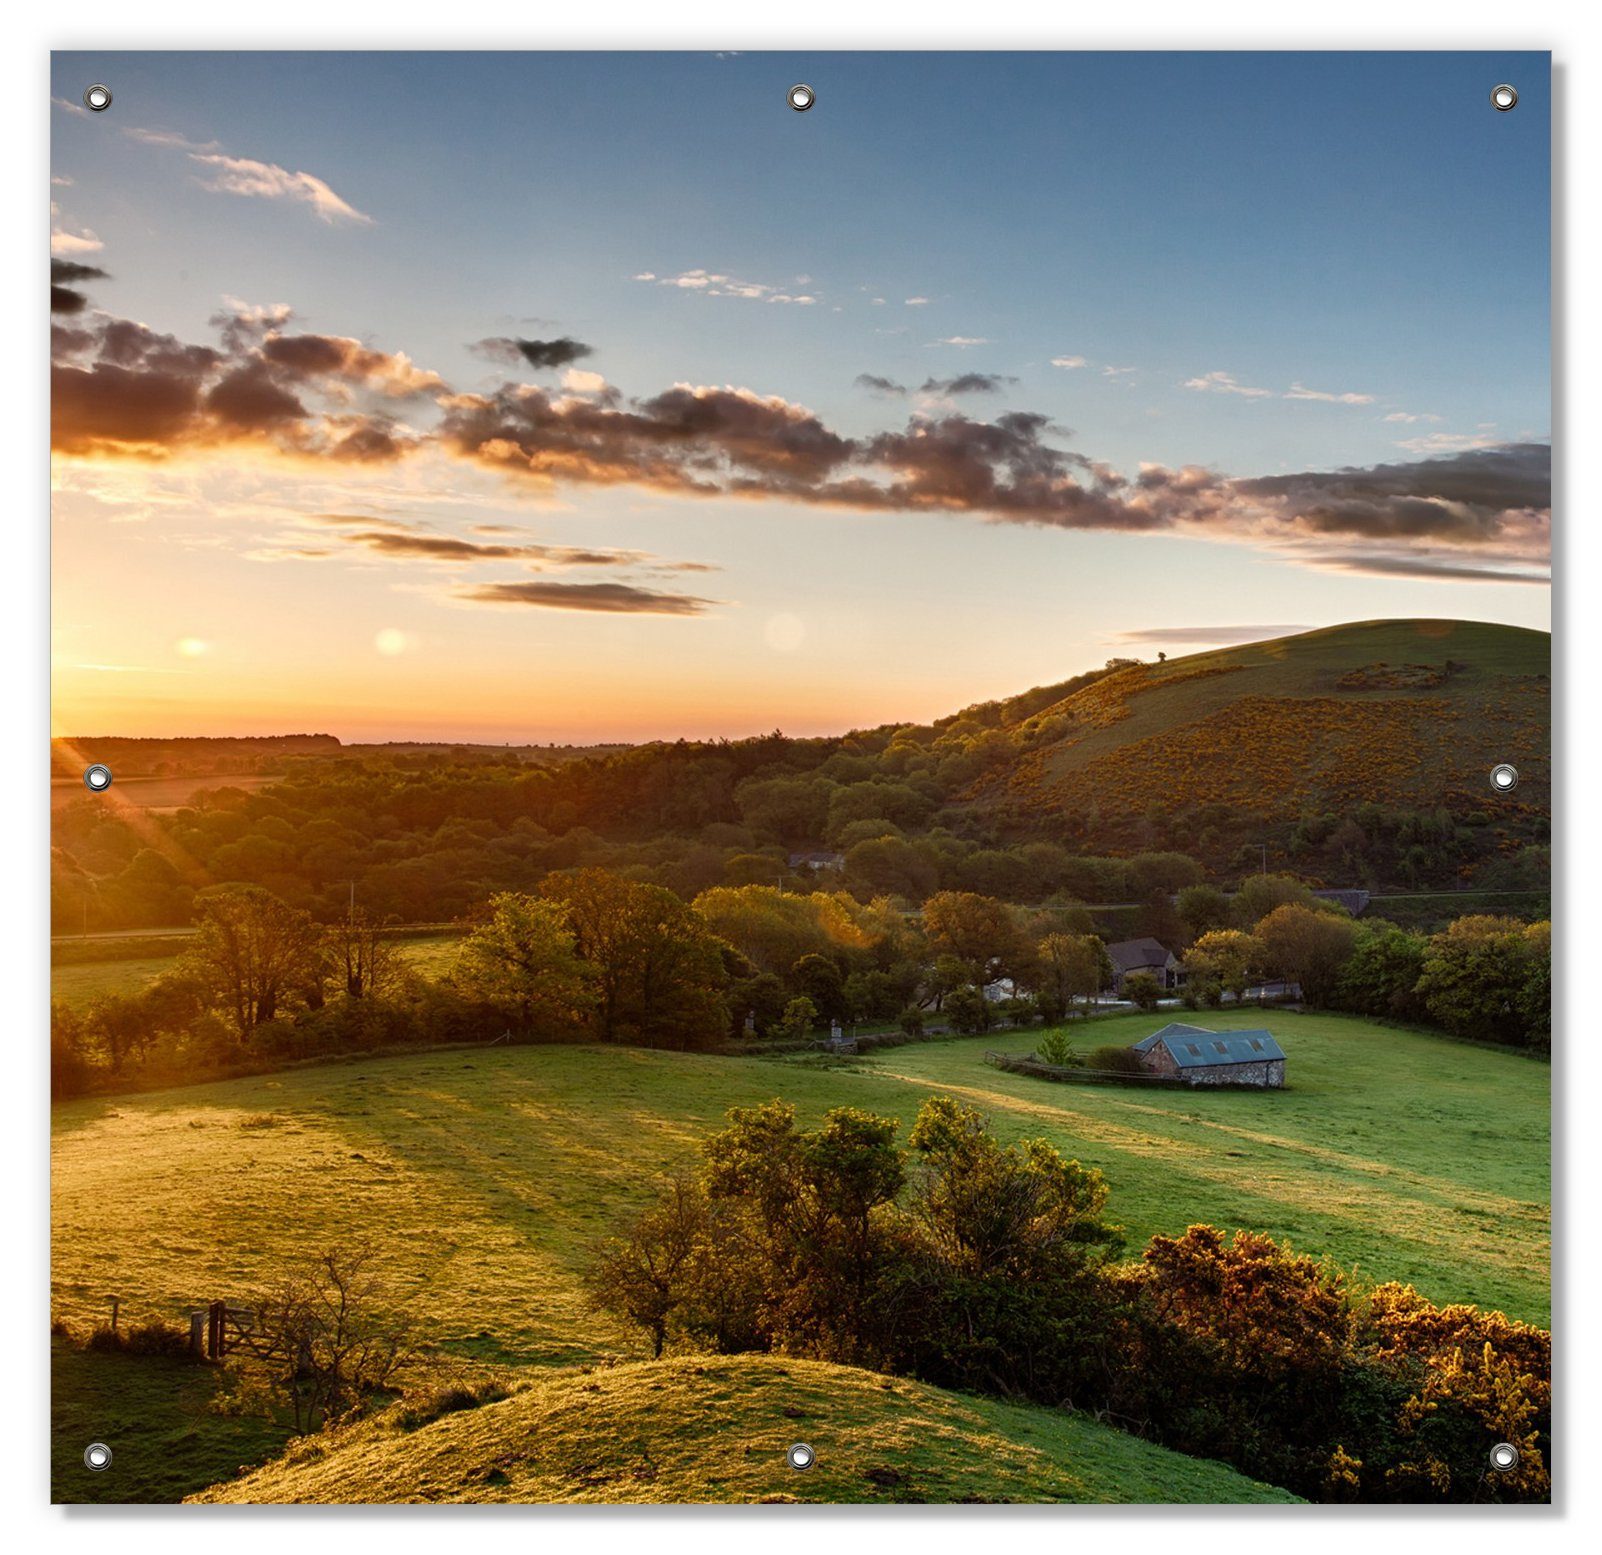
97,779
1504,777
799,1456
1504,1456
801,97
97,1456
97,98
1504,97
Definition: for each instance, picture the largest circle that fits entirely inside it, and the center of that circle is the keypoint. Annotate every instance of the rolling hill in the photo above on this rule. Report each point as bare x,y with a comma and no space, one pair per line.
715,1428
1402,714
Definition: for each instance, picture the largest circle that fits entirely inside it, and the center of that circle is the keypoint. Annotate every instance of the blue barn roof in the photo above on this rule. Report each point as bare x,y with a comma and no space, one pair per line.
1194,1046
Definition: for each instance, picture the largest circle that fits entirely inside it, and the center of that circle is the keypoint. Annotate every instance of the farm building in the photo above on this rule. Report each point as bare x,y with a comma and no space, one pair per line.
1201,1057
1129,956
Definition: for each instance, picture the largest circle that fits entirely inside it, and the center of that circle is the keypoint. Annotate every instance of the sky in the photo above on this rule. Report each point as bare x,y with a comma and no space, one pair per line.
604,396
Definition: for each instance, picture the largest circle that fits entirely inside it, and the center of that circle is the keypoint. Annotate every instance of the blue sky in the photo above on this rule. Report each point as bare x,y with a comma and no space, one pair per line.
1261,265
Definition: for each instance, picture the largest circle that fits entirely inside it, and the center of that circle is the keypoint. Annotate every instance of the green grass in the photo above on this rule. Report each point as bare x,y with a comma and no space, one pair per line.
155,1414
715,1429
486,1178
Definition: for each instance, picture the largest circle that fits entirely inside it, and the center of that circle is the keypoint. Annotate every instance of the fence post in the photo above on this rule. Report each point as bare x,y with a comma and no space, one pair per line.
197,1332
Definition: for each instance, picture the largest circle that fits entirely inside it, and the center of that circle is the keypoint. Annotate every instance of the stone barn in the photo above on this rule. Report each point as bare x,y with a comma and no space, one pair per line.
1201,1057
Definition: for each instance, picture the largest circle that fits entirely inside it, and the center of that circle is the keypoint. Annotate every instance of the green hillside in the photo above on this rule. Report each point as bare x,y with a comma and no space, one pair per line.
486,1177
715,1428
1397,713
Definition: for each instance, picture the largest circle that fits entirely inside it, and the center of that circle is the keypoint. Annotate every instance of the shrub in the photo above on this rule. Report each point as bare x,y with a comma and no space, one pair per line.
1143,989
1056,1049
910,1020
1117,1060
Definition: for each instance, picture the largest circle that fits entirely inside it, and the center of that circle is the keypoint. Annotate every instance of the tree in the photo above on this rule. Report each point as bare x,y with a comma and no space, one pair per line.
1381,976
1227,957
1308,948
1072,966
659,970
646,1275
1202,908
1259,895
1056,1048
363,955
254,952
800,1016
333,1340
523,959
1142,989
982,933
1478,976
818,979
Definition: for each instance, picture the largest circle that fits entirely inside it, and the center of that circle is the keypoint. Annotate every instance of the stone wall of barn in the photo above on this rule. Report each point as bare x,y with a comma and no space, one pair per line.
1267,1072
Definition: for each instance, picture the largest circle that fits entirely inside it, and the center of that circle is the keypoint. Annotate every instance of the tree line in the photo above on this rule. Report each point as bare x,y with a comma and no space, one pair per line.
595,956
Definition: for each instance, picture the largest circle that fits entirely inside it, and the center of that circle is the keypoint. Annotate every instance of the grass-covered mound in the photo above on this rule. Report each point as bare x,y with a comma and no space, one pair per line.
715,1428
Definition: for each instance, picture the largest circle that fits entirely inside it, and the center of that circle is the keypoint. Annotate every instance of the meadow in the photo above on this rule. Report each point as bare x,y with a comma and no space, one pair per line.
486,1177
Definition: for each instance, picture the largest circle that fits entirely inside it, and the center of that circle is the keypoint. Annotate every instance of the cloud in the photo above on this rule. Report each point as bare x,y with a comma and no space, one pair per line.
1431,568
1223,383
1116,372
916,302
1068,362
561,352
64,243
605,598
120,389
124,390
64,274
1208,634
879,385
398,541
967,383
255,180
712,284
1297,392
1409,417
1446,442
963,341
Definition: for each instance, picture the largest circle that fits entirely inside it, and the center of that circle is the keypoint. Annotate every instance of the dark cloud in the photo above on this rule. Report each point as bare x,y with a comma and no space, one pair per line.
449,548
64,276
561,352
606,598
1445,569
878,385
122,389
967,383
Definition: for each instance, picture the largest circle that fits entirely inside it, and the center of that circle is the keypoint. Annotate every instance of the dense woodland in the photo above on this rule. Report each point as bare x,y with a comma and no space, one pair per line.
428,836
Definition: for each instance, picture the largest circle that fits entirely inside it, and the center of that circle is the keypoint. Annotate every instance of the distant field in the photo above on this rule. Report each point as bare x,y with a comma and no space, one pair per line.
487,1177
715,1429
159,793
79,984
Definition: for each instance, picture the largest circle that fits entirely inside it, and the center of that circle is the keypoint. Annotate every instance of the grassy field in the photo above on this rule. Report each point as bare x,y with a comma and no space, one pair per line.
156,1415
715,1428
486,1177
